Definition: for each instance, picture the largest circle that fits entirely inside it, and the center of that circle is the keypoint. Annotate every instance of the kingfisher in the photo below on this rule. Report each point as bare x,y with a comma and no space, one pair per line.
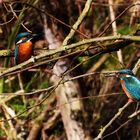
129,82
24,46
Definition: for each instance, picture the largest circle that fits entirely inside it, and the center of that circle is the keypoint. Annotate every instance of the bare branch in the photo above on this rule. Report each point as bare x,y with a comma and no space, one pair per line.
112,120
78,22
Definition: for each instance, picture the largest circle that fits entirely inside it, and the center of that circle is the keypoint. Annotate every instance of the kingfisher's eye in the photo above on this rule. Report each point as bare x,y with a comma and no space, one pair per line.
23,38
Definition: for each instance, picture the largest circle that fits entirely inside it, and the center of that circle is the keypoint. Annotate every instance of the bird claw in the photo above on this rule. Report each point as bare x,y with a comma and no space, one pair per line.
130,100
33,59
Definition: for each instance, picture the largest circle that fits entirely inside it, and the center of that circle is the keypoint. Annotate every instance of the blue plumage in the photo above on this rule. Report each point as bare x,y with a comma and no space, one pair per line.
18,37
126,71
132,85
129,82
20,49
21,35
16,54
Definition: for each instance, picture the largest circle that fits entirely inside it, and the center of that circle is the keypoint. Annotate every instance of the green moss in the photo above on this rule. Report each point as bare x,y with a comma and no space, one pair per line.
44,84
124,30
2,133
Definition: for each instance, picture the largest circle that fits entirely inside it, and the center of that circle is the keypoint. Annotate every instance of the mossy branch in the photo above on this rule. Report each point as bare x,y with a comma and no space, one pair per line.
54,55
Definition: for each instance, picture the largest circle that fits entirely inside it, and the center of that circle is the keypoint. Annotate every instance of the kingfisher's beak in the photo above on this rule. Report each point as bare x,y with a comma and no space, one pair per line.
35,35
112,74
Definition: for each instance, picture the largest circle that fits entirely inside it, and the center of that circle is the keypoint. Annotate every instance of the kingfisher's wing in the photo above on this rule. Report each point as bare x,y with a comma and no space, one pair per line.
16,54
132,85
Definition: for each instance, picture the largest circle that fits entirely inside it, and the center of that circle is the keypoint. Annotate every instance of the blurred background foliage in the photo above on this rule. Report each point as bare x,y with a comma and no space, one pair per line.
102,103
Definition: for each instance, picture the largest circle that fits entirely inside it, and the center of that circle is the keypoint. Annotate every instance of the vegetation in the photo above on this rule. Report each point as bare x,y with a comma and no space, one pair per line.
63,92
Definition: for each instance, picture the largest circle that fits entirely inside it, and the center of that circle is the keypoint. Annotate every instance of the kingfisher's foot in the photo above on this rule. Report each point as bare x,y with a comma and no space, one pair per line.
130,100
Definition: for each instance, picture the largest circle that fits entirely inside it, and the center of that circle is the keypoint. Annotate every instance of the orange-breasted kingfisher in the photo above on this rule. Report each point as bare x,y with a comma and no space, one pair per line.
24,47
129,82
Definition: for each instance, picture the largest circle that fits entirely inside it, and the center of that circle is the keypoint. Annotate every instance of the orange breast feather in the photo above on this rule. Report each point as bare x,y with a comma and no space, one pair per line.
24,51
128,95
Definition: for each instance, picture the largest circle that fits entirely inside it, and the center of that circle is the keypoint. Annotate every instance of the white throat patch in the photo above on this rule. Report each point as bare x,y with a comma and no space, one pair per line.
128,75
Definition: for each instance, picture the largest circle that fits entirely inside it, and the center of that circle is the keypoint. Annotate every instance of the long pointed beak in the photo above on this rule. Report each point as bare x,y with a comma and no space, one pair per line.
34,36
112,74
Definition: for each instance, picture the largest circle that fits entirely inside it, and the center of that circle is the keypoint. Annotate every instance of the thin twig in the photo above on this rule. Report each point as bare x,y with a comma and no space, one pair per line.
78,22
1,24
114,27
134,114
48,14
112,120
107,27
136,67
117,129
82,98
15,15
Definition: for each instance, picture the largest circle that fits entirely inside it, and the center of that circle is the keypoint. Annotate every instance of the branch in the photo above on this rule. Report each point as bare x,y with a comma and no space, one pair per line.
114,27
115,131
15,15
107,27
46,13
1,24
137,66
78,22
53,55
112,120
6,53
